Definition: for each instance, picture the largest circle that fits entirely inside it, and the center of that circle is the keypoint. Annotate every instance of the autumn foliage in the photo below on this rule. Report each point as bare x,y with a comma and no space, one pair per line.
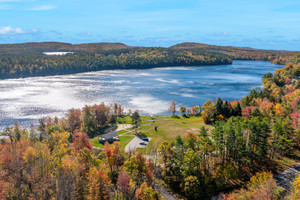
55,169
57,161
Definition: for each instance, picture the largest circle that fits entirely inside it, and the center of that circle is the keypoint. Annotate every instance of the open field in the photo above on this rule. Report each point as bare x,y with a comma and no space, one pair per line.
124,140
167,128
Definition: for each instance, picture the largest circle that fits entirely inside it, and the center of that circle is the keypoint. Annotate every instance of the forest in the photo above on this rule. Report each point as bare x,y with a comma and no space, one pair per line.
27,59
248,138
39,64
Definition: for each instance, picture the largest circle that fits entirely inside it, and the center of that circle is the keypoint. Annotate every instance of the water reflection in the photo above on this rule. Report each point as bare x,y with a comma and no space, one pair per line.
150,90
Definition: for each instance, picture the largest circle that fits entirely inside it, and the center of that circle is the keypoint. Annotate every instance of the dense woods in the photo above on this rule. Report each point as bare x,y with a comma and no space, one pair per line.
248,136
21,60
57,161
32,64
51,168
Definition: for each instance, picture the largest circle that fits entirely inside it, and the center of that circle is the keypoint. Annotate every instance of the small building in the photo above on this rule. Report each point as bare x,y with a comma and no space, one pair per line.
108,137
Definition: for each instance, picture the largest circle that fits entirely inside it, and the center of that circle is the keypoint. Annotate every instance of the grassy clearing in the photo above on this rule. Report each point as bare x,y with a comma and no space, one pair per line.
127,119
169,128
124,140
124,120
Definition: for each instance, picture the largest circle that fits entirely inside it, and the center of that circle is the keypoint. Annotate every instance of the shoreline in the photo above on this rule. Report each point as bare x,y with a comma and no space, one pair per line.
25,122
105,69
119,68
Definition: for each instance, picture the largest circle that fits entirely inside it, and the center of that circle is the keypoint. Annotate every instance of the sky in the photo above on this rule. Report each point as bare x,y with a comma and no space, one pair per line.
265,24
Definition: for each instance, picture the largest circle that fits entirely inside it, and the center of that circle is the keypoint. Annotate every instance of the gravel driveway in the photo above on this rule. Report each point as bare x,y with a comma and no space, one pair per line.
136,143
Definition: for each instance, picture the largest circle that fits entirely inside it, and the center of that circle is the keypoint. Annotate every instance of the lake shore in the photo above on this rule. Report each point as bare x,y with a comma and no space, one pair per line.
25,100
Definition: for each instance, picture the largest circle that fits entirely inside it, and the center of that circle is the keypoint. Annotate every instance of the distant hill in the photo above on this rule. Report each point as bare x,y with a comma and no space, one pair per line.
188,45
275,56
27,59
39,47
195,45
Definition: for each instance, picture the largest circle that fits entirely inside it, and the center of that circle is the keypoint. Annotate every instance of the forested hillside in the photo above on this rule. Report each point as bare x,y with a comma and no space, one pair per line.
245,53
39,47
21,65
237,53
27,59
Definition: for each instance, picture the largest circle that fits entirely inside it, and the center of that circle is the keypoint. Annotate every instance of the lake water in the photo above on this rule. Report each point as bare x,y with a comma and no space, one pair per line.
148,90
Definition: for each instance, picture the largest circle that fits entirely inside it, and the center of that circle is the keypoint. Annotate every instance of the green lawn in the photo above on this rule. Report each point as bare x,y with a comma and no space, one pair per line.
124,140
124,120
122,132
95,142
168,128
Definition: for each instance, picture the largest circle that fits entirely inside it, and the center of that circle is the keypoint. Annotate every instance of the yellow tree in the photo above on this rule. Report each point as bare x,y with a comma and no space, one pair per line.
97,185
295,194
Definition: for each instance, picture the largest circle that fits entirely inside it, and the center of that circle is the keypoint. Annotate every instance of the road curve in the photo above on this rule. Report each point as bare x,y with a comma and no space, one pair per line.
285,179
165,193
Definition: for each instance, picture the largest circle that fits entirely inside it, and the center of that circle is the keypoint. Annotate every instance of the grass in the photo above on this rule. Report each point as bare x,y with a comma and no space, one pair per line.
168,128
122,132
124,120
141,149
124,140
127,119
95,142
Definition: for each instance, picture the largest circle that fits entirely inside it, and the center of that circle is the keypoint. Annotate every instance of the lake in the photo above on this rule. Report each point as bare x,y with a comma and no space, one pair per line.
148,90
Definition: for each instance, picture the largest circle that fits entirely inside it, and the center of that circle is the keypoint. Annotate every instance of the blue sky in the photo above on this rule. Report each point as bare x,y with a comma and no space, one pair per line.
267,24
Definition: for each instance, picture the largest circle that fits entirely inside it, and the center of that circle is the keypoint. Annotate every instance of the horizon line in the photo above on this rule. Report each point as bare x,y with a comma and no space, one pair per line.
149,46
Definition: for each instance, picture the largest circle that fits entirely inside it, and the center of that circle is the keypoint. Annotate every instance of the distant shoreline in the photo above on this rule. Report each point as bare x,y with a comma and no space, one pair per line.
109,69
52,58
104,69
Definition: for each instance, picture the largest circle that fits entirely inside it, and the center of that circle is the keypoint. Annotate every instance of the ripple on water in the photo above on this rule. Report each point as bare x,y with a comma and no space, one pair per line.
148,90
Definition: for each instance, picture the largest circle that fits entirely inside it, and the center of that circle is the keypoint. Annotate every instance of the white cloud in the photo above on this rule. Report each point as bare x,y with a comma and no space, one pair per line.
7,30
43,7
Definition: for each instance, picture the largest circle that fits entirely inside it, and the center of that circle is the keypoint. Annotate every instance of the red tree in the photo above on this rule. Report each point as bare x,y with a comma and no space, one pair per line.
81,140
123,183
247,112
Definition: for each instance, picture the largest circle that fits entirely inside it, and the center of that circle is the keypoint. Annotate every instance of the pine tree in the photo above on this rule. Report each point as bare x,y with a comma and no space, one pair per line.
219,107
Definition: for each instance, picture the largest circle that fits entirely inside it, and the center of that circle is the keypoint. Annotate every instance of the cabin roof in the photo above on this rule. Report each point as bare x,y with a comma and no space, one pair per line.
109,135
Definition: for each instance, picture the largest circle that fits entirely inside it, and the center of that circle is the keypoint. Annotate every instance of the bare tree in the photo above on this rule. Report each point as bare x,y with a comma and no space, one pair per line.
172,107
